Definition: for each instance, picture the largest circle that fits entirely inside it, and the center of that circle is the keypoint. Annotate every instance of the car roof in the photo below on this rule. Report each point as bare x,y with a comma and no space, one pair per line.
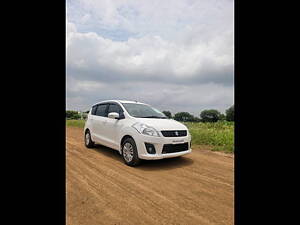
119,101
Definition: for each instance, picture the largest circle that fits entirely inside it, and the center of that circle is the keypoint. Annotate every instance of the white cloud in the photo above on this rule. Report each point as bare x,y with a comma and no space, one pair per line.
174,97
183,49
146,56
83,86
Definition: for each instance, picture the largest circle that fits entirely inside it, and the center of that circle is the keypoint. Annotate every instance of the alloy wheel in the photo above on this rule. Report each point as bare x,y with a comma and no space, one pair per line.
128,152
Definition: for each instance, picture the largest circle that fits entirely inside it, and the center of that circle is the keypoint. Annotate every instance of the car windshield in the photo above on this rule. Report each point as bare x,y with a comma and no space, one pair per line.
143,111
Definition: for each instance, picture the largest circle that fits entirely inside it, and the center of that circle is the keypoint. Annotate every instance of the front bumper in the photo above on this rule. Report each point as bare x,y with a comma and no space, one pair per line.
158,143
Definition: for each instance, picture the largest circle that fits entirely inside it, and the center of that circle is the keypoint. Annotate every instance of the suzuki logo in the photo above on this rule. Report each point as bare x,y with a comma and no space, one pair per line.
176,133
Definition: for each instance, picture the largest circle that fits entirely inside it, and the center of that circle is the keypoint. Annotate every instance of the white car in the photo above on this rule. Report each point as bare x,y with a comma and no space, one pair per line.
136,130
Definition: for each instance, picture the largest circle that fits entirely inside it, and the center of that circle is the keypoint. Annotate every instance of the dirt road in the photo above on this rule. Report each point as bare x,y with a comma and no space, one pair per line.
101,189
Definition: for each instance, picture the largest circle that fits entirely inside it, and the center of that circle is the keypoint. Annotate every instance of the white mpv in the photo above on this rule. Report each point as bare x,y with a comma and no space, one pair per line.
136,130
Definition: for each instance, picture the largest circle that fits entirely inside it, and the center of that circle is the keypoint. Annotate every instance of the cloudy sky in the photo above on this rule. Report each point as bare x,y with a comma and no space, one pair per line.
176,55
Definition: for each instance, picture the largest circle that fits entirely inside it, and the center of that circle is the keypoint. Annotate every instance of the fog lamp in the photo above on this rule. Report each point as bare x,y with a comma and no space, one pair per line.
150,148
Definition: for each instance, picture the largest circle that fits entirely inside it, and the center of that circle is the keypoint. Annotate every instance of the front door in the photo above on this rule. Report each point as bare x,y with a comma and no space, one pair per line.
113,126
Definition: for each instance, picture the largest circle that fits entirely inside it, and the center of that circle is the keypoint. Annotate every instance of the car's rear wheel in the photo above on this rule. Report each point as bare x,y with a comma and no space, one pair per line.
88,140
129,152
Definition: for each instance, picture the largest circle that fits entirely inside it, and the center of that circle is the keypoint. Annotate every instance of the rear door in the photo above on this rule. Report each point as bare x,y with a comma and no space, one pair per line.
91,118
113,126
99,124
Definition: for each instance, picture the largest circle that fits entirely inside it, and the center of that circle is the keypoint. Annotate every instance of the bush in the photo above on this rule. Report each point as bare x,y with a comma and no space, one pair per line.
196,119
210,115
222,117
72,115
184,117
230,114
167,114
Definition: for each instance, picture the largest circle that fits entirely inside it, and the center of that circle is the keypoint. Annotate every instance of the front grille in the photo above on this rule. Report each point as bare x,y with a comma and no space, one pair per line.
174,133
170,148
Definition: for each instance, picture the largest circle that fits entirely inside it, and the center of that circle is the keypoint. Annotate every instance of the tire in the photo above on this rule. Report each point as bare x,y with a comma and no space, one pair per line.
129,152
88,140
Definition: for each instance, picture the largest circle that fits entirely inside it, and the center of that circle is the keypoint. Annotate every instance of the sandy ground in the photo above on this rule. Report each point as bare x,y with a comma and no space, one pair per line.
101,189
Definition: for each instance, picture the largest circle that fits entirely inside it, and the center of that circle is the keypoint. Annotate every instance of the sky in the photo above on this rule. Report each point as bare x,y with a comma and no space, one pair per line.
175,55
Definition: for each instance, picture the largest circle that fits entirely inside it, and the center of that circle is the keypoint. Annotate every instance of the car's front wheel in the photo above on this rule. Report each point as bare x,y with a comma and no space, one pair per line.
129,152
88,140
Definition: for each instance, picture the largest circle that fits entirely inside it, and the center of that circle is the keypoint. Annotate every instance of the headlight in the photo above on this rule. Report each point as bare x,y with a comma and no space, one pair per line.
189,134
144,129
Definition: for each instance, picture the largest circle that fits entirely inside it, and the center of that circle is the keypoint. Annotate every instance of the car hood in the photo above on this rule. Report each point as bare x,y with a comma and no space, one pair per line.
162,124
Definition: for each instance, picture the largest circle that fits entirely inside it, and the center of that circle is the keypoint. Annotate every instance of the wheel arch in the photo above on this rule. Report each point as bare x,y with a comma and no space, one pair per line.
124,138
135,161
86,129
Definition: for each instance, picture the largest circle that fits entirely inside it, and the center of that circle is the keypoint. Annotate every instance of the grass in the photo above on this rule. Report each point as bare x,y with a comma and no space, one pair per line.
215,136
75,123
220,135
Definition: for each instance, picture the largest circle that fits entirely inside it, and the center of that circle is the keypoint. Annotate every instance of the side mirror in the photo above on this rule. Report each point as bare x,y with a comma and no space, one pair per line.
113,115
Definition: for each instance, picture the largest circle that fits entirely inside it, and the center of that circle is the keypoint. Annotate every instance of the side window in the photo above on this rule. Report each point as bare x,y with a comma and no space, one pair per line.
94,110
101,110
115,108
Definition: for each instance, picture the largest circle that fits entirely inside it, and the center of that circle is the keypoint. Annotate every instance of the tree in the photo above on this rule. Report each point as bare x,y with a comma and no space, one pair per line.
230,114
183,116
210,115
196,119
222,117
167,114
73,115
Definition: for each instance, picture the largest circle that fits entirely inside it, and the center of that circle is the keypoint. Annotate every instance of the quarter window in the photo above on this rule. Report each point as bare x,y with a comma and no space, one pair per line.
94,110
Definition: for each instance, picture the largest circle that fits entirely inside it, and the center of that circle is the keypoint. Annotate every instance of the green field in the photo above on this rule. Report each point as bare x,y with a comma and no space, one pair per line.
216,136
75,123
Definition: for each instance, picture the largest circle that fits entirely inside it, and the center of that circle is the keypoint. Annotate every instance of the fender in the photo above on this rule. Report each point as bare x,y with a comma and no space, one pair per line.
126,131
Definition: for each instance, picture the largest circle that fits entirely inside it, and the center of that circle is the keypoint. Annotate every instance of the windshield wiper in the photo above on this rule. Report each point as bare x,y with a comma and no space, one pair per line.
158,117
